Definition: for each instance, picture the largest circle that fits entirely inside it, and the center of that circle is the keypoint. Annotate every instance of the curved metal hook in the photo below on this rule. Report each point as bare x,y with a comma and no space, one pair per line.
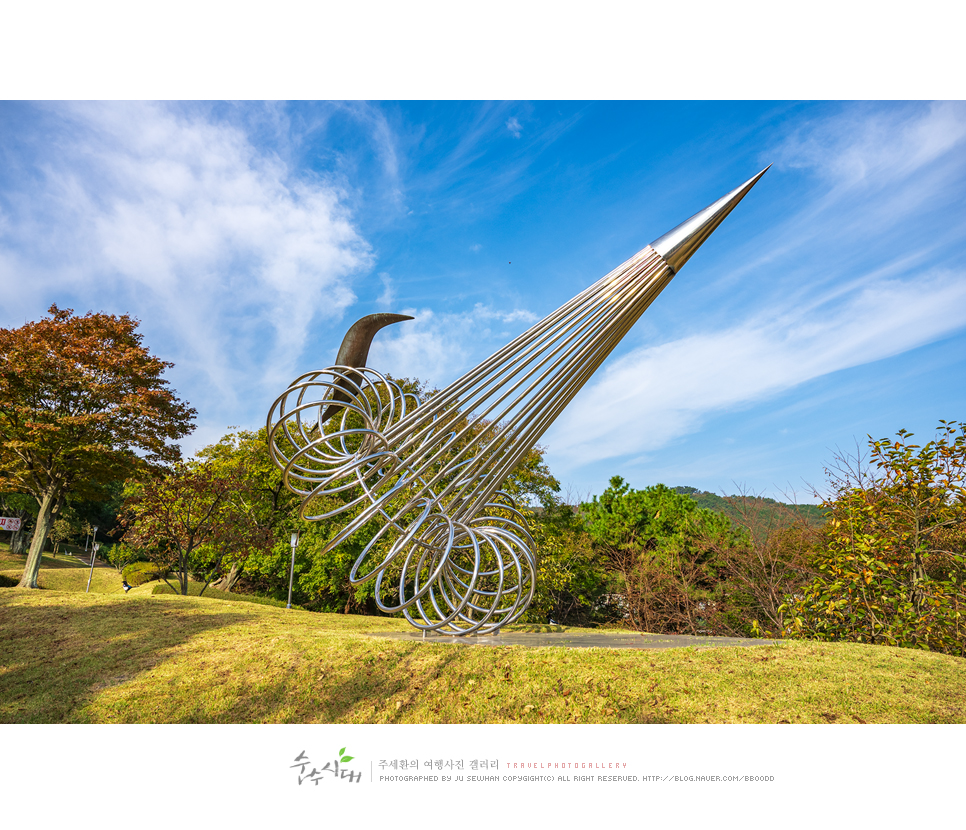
354,352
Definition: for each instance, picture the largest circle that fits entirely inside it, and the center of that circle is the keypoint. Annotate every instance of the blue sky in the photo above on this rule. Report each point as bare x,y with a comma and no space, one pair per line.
248,237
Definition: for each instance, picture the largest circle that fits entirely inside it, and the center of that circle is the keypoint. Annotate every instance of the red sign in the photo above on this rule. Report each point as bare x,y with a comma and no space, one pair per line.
9,524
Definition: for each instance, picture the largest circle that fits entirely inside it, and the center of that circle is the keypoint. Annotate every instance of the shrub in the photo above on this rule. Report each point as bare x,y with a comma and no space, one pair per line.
137,573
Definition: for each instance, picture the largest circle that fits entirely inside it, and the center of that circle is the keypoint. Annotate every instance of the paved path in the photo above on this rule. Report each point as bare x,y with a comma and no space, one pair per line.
578,640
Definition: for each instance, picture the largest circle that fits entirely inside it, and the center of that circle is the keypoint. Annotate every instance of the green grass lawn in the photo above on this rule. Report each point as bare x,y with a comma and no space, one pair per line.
13,562
71,657
63,573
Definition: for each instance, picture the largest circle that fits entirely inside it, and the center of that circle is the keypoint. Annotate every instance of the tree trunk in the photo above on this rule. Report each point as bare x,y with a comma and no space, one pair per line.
18,542
227,582
48,506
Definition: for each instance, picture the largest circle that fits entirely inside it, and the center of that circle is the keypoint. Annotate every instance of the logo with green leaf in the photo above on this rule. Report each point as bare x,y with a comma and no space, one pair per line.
343,758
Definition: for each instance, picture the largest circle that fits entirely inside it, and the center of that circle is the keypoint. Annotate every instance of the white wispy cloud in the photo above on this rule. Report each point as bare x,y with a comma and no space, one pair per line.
871,145
877,172
456,177
654,395
179,219
388,295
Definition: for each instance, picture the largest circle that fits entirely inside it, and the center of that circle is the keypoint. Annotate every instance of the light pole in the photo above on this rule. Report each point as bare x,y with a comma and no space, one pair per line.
94,549
291,570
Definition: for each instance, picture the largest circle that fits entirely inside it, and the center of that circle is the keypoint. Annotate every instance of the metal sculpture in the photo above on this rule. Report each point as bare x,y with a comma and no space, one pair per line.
421,478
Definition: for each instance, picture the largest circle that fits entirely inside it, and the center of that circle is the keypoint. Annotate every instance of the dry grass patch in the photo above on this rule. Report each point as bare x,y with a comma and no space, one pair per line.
170,659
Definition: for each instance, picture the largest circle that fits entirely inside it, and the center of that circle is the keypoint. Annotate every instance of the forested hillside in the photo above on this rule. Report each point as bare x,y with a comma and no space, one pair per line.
771,511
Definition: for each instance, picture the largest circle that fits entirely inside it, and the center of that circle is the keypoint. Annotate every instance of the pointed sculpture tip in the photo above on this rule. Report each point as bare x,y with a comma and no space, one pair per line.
677,245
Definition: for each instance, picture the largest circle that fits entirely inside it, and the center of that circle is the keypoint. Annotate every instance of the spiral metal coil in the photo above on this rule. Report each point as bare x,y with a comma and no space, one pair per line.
459,576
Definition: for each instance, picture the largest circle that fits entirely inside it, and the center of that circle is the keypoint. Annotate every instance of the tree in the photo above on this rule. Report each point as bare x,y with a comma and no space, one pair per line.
573,586
23,507
63,528
273,506
768,563
664,549
195,520
892,566
82,403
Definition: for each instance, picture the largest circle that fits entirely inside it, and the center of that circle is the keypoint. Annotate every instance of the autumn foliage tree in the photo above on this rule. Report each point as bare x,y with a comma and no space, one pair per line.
197,519
891,568
766,564
82,404
269,504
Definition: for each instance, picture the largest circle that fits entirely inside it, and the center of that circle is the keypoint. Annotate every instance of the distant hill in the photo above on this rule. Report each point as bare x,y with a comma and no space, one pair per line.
771,511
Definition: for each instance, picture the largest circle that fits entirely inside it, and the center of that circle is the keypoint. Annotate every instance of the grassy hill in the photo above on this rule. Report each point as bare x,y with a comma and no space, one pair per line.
144,657
71,657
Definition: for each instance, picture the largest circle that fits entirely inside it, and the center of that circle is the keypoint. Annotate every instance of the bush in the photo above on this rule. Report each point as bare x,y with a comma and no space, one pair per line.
120,556
137,573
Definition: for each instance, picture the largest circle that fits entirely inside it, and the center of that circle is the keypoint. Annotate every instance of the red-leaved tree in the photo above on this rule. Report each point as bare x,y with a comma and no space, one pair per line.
196,519
82,403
